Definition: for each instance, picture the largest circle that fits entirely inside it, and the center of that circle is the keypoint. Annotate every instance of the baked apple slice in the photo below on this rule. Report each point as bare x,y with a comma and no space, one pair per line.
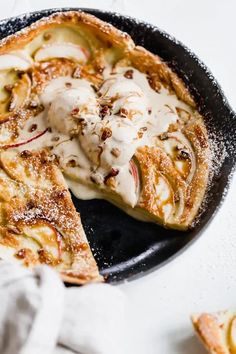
62,50
18,97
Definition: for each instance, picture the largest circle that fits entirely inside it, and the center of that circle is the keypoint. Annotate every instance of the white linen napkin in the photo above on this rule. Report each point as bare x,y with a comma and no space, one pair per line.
38,315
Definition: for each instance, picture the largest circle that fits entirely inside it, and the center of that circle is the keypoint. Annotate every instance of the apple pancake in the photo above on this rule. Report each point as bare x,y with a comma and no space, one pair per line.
120,123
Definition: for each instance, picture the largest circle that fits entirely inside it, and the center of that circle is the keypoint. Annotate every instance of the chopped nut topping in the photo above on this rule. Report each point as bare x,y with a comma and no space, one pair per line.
105,101
163,136
140,134
129,74
32,128
100,69
30,205
183,155
105,110
154,84
26,153
115,152
106,133
33,104
123,112
47,36
71,163
55,138
36,107
75,112
114,172
21,253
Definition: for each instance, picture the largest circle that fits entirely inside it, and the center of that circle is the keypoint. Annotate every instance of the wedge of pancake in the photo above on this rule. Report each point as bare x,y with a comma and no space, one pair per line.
38,222
164,181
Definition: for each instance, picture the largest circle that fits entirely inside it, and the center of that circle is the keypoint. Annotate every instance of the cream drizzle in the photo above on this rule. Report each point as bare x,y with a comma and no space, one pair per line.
149,111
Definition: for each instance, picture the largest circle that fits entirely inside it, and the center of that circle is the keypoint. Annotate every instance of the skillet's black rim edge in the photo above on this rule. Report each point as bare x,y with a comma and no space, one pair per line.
214,82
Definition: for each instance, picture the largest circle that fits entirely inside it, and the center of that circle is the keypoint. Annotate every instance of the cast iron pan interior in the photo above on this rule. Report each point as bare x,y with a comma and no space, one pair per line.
124,247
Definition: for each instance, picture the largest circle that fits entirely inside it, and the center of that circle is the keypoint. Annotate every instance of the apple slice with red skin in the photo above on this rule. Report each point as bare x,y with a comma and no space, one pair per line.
43,241
62,50
5,147
135,174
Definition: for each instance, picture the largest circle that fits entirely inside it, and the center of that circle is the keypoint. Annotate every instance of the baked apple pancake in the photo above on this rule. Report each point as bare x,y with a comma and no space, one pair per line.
117,121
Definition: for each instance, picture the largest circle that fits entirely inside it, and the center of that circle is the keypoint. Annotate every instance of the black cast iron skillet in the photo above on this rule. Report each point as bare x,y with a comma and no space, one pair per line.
123,247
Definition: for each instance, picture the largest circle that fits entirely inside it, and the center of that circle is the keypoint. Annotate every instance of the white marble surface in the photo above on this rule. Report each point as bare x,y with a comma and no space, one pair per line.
203,277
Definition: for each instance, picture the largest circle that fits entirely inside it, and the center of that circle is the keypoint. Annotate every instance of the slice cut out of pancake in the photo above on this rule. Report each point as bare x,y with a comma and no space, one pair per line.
217,331
38,222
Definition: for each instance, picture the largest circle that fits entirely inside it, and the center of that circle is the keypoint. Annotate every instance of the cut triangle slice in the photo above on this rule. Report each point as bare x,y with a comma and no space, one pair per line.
38,221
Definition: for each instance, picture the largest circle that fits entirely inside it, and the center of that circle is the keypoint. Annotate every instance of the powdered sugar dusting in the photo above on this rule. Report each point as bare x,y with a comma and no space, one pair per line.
221,131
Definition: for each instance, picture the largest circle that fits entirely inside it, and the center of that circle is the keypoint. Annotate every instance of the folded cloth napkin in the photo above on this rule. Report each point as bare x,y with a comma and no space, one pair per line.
38,315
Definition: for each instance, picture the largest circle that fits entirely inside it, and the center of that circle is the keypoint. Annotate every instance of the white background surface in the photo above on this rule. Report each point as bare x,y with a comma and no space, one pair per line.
203,278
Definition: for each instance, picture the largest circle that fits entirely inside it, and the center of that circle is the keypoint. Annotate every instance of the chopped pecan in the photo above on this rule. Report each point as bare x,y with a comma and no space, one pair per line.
114,172
68,84
21,253
55,138
71,163
115,152
105,110
75,112
106,133
129,74
26,153
163,136
123,112
47,36
32,128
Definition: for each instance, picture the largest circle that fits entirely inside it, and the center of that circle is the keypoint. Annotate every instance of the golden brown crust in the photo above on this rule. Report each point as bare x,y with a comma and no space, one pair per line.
160,73
81,20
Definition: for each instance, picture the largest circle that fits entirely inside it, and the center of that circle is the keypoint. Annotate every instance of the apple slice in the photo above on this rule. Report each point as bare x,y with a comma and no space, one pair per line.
19,96
62,50
6,147
13,61
174,145
135,174
46,236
